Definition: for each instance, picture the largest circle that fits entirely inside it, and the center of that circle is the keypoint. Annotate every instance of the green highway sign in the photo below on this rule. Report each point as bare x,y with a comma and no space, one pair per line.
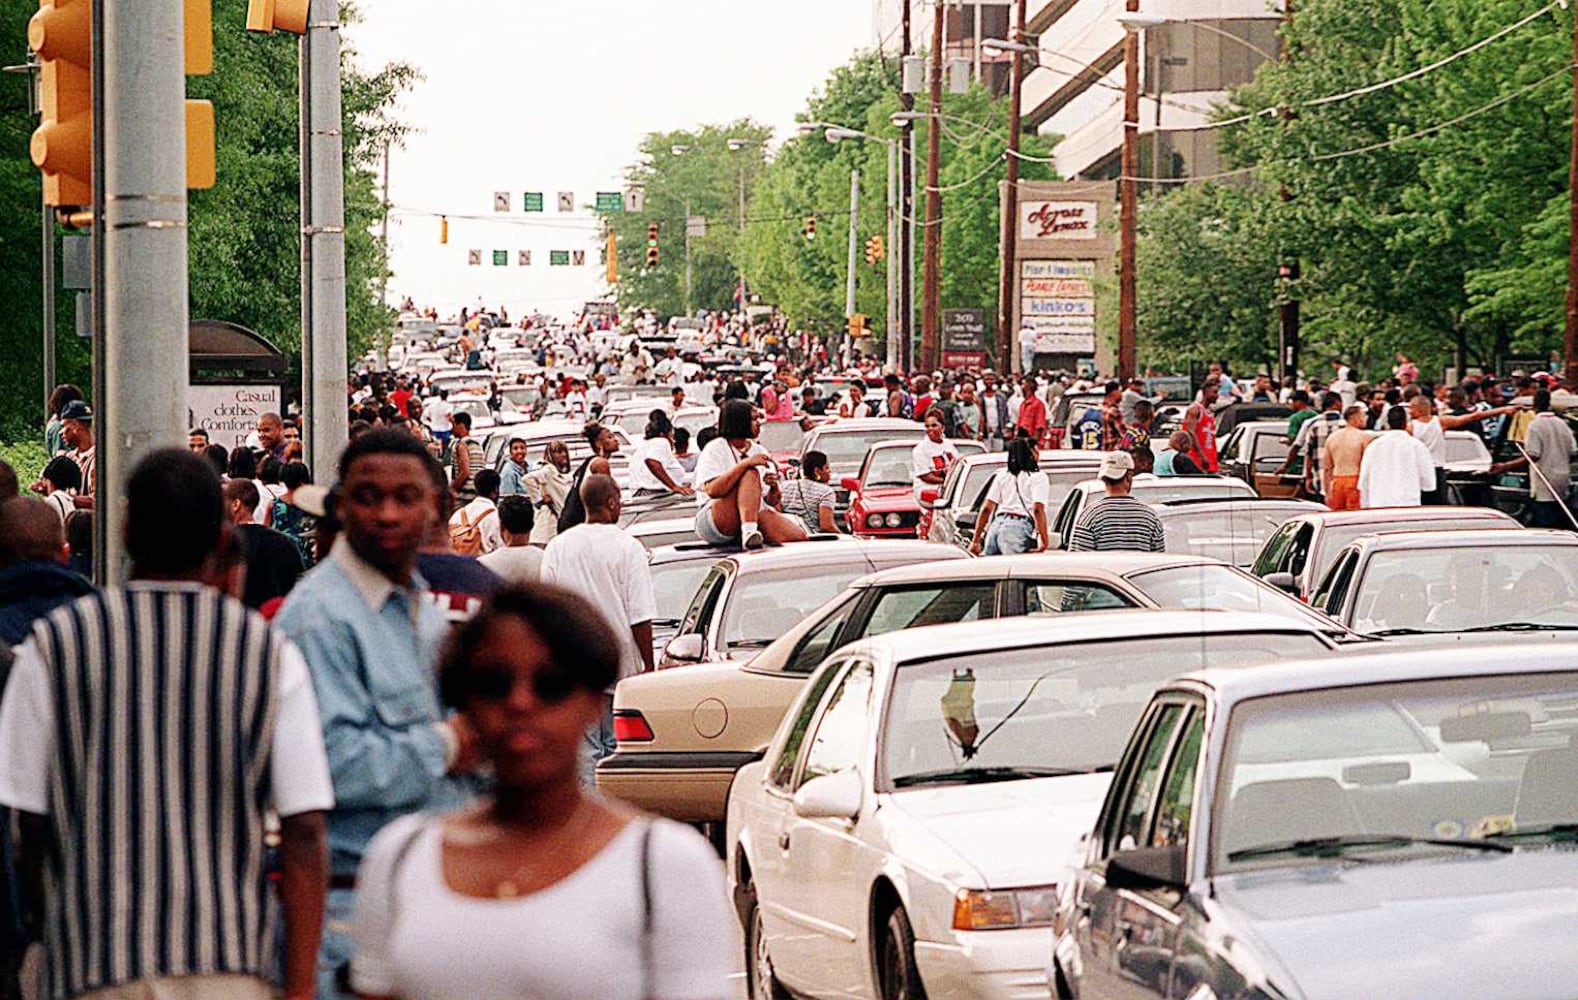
531,201
558,258
610,201
501,258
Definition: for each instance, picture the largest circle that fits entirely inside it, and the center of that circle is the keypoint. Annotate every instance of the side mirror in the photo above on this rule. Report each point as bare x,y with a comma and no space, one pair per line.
928,498
833,796
1147,868
793,461
1282,581
850,483
684,648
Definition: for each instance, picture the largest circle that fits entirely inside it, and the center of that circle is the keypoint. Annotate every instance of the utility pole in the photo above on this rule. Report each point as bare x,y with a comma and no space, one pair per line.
1128,193
140,249
854,241
1570,373
323,349
1007,336
905,251
47,249
1288,318
383,282
931,280
894,325
689,309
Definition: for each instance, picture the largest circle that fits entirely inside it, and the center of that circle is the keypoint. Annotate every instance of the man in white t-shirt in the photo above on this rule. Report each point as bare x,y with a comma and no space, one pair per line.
518,561
436,413
606,565
931,459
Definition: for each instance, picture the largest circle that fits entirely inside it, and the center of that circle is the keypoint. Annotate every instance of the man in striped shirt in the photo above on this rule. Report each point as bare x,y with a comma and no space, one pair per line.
1118,522
145,733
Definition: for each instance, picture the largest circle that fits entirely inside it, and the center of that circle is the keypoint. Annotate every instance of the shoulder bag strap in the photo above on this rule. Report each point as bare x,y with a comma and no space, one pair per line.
646,910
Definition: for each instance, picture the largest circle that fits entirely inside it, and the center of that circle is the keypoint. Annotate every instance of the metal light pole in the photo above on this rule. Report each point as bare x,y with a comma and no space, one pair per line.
906,246
688,307
736,146
931,314
140,236
838,133
1570,369
854,242
1129,214
323,350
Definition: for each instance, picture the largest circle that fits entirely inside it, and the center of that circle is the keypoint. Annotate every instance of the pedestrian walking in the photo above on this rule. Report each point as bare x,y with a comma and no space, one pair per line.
607,567
155,866
1397,469
287,515
1342,457
1309,447
371,635
996,424
463,458
456,582
1013,518
542,890
474,528
1117,521
1426,428
737,489
54,439
1031,420
1200,424
273,563
517,561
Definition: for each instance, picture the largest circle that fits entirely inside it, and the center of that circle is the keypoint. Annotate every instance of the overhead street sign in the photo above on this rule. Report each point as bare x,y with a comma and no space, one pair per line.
531,201
501,201
558,258
566,201
501,258
610,201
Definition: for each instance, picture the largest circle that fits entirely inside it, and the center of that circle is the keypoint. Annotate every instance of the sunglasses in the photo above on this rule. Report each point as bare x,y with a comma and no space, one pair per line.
548,686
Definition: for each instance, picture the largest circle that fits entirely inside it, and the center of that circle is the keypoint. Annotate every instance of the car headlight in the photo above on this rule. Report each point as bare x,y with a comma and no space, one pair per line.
895,520
873,520
993,910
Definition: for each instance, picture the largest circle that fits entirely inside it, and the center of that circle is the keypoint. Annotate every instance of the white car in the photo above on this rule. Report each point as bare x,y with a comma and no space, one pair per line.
1151,489
908,827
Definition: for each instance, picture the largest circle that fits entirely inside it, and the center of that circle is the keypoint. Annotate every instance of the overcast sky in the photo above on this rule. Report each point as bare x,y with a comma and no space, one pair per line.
555,95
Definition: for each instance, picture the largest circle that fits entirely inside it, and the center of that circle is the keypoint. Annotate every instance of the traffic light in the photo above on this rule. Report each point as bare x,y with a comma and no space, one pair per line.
857,326
443,230
875,251
809,231
269,16
62,147
611,258
652,245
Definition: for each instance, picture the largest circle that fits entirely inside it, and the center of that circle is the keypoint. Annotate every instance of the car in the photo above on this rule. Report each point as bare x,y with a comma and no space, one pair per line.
845,442
782,438
683,733
1429,582
461,380
662,507
1255,452
950,516
1149,488
751,598
539,433
882,501
906,831
1396,824
1230,530
632,417
1296,557
677,570
655,533
618,393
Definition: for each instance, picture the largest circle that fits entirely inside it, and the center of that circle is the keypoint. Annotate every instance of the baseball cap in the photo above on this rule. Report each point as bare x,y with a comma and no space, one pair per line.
314,499
76,410
1115,465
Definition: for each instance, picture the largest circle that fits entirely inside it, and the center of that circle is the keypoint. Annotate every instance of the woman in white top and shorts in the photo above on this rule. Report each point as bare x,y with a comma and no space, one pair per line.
737,491
656,470
1013,519
542,891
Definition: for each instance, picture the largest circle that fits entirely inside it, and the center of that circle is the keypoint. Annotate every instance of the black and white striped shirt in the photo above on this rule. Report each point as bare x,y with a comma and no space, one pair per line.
1114,524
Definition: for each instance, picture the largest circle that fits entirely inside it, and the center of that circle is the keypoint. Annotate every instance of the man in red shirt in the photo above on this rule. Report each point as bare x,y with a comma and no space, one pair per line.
401,396
1200,424
1032,412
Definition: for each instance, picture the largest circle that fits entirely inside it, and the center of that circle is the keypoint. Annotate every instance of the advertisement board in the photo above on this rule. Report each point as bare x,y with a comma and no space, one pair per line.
230,412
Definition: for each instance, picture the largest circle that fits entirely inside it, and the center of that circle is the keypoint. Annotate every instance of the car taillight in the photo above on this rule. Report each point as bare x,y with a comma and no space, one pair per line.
630,726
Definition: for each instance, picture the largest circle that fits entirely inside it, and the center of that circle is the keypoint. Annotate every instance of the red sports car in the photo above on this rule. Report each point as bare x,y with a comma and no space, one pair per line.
882,500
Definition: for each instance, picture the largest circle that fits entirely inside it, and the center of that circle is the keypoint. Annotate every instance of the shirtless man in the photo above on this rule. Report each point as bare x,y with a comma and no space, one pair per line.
1342,453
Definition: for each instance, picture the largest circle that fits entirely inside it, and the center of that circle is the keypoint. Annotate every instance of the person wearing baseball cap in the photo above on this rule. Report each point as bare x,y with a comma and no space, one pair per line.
76,430
1118,522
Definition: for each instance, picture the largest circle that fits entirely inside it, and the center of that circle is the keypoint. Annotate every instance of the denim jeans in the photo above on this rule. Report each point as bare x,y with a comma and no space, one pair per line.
599,743
338,946
1009,536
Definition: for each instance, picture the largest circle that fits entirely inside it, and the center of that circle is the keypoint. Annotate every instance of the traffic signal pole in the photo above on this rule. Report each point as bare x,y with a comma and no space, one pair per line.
854,242
140,250
324,363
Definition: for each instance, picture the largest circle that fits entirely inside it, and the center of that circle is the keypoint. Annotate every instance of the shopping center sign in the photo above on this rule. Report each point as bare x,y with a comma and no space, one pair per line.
1064,254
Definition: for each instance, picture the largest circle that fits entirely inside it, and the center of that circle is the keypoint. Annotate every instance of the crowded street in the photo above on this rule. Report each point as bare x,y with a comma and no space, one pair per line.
1104,588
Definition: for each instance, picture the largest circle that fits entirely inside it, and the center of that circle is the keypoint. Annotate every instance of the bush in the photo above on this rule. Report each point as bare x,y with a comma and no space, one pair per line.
26,457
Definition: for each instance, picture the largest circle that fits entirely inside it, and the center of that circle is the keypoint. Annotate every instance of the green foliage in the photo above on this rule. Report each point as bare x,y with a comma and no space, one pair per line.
26,457
243,236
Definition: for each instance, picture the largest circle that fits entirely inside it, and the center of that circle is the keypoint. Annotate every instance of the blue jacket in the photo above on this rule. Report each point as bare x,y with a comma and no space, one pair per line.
31,589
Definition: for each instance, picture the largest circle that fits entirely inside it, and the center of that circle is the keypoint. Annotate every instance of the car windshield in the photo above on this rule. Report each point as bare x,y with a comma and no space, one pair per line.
780,435
889,467
673,587
1045,710
1350,771
1233,536
1466,448
763,606
1337,536
846,451
1452,590
1186,488
1210,587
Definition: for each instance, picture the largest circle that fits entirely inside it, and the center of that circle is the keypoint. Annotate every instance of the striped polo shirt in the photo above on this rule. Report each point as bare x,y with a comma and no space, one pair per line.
1114,524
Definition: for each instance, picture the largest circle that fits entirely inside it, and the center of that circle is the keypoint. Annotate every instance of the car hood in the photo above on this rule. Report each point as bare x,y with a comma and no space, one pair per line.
1002,835
1460,925
888,497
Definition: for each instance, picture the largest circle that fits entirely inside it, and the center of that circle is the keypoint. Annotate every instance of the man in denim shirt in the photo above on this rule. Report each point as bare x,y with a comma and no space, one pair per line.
371,640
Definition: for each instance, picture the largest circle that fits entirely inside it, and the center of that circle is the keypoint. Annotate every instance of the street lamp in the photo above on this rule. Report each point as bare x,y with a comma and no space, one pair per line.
735,146
1007,337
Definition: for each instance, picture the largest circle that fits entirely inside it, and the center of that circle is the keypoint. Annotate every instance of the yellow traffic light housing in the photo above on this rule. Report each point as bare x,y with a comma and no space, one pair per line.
269,16
652,245
857,326
61,34
443,229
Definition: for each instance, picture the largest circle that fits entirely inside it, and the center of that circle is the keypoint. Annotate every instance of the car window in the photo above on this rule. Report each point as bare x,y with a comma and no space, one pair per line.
1171,828
841,730
943,604
674,587
783,764
887,467
1299,552
765,605
1064,525
1270,557
1130,820
701,605
1270,452
1325,597
1051,597
820,641
1214,587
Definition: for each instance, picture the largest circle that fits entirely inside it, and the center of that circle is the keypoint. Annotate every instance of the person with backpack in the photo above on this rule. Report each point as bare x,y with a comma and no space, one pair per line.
474,528
542,888
463,458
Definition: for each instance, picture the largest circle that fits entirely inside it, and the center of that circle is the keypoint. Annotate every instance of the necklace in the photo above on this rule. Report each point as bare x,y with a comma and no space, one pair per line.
509,886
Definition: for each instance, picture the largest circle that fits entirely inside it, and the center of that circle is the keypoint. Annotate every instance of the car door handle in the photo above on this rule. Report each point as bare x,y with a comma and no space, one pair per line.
783,841
1125,929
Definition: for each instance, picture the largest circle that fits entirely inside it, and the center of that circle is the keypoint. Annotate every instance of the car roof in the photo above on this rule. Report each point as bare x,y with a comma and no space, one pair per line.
821,549
1227,483
1207,505
1476,538
1392,515
998,634
661,526
857,424
1382,667
1106,564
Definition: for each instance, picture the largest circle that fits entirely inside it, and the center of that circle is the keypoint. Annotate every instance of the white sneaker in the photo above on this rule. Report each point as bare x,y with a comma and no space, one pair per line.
751,541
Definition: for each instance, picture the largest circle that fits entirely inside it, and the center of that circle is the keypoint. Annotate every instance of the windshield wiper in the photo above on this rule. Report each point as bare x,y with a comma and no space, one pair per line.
1331,847
751,643
1523,627
1402,631
1555,831
981,775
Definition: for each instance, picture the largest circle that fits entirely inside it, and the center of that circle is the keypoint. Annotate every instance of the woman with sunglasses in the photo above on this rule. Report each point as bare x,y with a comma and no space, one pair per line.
541,890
